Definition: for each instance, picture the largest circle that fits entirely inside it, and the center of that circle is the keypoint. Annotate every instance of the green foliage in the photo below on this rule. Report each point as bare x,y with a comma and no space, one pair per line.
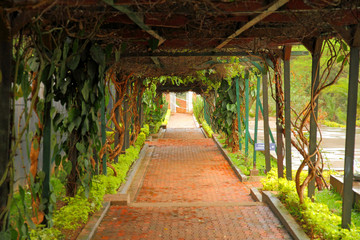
77,210
145,129
41,232
225,113
65,217
207,128
153,107
245,163
332,124
198,108
315,217
167,117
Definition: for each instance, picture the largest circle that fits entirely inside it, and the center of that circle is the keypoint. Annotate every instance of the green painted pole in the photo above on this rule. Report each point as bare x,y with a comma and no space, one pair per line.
287,98
267,129
6,99
247,113
103,124
47,151
256,118
315,77
350,137
237,79
270,133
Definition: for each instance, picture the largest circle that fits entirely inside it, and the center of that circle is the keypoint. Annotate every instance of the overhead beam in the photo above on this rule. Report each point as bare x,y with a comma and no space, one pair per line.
254,21
252,57
136,18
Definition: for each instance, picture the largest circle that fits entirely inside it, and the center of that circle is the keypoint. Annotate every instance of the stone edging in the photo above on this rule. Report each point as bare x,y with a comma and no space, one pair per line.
203,132
284,216
91,226
255,194
242,177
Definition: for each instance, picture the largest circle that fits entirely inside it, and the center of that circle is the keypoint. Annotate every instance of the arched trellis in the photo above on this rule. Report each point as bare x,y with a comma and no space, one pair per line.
10,27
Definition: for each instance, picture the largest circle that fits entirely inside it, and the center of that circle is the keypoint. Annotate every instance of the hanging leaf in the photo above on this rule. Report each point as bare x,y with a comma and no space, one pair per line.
86,90
97,54
80,147
91,69
77,122
73,61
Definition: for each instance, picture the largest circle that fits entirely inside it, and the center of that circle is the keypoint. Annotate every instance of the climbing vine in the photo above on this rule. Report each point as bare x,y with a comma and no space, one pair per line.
336,53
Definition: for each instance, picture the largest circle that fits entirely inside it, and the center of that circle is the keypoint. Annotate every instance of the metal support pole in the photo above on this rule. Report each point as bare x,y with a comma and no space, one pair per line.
139,100
47,149
5,118
315,70
126,121
350,137
287,53
266,121
117,117
246,114
279,128
237,79
270,132
103,123
256,118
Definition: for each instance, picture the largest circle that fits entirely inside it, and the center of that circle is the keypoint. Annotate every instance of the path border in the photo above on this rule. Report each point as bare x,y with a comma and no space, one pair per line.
242,177
91,226
284,216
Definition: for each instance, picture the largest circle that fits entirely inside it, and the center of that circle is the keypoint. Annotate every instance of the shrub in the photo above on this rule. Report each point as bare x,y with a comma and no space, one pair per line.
316,218
207,128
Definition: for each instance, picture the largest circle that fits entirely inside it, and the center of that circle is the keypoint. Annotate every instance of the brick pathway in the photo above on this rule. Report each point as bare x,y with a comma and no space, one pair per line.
190,192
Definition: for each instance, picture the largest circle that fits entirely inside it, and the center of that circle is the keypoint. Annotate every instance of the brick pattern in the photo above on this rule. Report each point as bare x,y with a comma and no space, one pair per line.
190,192
191,174
200,223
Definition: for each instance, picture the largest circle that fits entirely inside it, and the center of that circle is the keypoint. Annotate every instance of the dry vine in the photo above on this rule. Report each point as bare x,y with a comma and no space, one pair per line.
300,124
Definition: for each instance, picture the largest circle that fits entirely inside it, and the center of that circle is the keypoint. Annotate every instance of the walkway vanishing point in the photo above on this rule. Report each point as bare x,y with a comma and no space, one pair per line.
189,191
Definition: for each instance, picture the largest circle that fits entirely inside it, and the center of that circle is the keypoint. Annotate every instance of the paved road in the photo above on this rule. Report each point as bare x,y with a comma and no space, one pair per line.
189,192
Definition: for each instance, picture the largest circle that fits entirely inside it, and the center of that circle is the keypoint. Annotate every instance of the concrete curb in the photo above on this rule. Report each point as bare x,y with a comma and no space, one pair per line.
203,132
195,121
284,216
242,177
90,228
255,194
123,196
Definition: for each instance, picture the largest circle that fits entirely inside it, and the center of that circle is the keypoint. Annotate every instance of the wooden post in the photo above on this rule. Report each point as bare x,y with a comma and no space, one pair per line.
237,79
287,54
350,137
279,127
266,122
315,72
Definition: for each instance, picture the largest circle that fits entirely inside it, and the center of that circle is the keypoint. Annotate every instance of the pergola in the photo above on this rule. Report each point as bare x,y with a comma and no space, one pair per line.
158,37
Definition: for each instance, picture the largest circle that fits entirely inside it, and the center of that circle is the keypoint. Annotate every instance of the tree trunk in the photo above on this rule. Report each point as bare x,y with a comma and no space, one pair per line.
72,178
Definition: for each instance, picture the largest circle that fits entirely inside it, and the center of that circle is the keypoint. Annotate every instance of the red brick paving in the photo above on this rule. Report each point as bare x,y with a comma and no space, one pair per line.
256,222
189,192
